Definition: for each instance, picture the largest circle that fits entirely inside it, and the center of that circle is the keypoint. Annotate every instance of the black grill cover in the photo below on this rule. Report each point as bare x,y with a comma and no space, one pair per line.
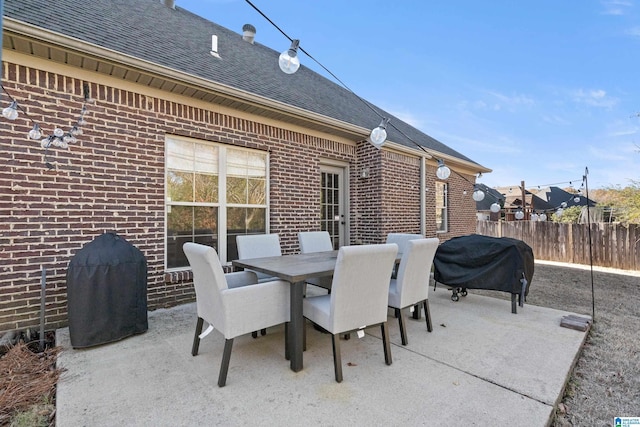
483,262
106,292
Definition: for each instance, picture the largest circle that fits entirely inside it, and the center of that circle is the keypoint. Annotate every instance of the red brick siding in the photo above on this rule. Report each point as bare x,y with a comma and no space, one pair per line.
400,194
112,179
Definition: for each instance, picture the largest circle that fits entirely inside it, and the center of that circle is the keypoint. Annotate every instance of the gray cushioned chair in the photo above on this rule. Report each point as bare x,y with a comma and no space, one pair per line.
316,241
358,298
259,246
411,287
232,303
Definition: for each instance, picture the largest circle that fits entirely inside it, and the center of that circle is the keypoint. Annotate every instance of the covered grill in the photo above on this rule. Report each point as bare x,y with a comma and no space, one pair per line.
483,262
106,292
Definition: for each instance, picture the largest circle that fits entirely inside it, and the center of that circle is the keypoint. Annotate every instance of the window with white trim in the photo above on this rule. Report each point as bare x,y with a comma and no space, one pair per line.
441,207
213,193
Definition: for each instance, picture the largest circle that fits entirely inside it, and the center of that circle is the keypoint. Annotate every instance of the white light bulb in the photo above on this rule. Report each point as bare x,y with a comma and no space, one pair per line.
443,171
576,199
559,212
543,217
478,195
563,204
46,142
519,214
288,60
58,132
11,112
534,217
378,137
494,208
35,133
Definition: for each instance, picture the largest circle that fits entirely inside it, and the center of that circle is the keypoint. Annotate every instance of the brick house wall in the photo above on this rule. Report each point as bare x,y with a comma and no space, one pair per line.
112,179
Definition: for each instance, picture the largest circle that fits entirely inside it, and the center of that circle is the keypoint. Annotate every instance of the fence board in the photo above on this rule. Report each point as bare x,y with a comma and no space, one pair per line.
601,244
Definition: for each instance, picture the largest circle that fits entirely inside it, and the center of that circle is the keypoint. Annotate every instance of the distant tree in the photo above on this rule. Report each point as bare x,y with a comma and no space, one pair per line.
569,215
624,202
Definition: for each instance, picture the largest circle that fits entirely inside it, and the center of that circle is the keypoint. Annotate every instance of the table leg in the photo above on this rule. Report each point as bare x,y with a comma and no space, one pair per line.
296,326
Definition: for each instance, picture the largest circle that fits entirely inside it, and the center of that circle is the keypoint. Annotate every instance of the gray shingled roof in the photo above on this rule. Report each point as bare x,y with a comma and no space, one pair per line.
181,40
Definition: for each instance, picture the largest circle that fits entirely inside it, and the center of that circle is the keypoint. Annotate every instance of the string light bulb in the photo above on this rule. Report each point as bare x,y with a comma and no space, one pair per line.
478,195
519,214
11,112
35,132
379,135
443,170
495,207
289,61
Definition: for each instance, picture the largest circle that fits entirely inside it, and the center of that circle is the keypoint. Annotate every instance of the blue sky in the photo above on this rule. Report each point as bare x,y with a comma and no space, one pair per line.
535,90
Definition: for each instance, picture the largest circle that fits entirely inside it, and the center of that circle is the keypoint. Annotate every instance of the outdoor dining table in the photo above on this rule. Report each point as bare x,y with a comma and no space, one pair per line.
295,269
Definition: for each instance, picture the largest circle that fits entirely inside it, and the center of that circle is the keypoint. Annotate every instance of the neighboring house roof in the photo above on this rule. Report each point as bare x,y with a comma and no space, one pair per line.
180,40
555,196
491,196
510,198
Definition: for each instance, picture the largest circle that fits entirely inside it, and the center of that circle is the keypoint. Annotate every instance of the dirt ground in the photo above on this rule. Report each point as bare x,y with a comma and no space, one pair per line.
606,380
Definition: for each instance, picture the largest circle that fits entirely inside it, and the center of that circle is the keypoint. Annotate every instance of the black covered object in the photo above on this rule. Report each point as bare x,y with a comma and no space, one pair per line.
483,262
106,292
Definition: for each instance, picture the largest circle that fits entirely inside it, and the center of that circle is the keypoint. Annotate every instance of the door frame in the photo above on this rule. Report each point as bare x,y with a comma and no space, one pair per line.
342,169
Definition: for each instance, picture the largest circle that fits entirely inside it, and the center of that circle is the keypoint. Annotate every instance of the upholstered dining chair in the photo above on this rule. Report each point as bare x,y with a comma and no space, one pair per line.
401,240
232,303
358,298
411,286
316,241
259,246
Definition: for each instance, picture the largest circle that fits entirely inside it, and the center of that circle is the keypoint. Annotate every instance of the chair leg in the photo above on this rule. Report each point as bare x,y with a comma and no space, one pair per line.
263,332
427,314
254,334
337,358
403,331
196,337
224,367
385,343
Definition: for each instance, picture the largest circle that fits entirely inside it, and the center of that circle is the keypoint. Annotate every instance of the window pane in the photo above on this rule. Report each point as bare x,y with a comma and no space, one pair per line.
246,220
206,159
206,226
236,190
205,220
257,192
256,220
175,255
179,155
256,165
206,188
179,231
236,162
179,186
243,221
180,221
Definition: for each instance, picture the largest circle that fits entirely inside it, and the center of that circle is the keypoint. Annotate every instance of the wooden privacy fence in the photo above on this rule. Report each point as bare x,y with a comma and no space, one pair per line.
612,245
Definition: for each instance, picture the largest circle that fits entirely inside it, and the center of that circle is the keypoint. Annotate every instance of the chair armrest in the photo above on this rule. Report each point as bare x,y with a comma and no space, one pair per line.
241,278
250,308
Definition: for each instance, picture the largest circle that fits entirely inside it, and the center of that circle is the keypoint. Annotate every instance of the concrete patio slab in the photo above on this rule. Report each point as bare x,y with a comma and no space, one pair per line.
481,365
